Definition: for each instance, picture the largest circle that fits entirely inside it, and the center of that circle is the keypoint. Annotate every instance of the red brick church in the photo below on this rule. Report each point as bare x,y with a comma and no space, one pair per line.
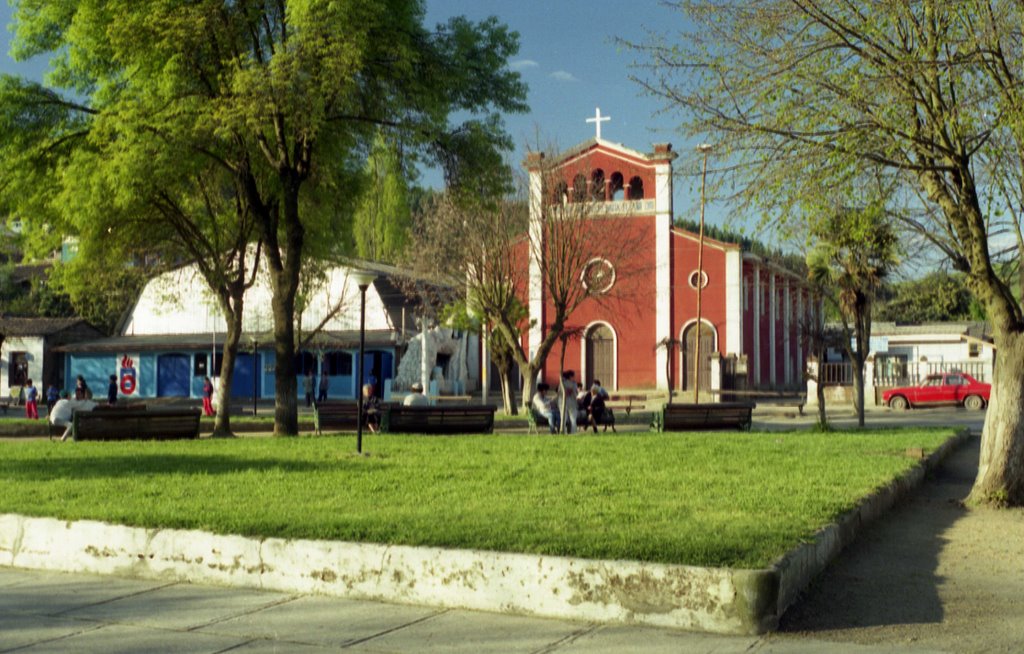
751,311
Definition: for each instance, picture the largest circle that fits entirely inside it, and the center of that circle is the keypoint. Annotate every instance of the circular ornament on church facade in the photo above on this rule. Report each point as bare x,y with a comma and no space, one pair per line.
692,279
598,275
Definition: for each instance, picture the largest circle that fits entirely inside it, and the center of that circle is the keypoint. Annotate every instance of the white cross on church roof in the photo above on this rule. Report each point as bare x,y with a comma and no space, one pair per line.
597,120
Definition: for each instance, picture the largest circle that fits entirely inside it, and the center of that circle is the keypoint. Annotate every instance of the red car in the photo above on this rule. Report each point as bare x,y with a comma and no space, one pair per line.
954,388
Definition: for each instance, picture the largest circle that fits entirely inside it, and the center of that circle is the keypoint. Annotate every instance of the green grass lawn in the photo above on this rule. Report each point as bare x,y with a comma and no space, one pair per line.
701,499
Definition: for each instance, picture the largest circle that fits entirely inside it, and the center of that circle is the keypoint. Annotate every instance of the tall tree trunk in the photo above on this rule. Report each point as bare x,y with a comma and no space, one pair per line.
819,389
857,362
1000,478
508,394
284,279
286,408
502,357
232,308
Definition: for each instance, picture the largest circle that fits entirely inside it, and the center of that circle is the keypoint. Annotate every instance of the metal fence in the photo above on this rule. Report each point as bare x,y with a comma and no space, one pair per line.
836,374
893,372
909,373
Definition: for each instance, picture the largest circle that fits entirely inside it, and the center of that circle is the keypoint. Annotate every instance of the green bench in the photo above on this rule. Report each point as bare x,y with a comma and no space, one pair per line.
699,417
109,424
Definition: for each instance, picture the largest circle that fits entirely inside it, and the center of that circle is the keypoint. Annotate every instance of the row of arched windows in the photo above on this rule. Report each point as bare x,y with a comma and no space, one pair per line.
599,189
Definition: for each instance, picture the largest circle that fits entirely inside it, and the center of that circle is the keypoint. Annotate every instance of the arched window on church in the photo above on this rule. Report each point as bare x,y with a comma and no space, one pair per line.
597,185
561,194
636,188
579,188
615,190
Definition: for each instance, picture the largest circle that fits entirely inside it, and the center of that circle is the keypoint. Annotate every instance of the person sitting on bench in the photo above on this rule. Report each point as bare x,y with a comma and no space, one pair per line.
371,408
595,408
545,406
63,411
416,397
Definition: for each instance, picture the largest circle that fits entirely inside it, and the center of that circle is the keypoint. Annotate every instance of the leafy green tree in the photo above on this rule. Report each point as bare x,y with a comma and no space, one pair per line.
936,297
138,200
383,216
281,96
801,96
853,252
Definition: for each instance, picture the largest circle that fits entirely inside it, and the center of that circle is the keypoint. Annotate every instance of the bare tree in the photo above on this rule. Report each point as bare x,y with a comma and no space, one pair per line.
471,247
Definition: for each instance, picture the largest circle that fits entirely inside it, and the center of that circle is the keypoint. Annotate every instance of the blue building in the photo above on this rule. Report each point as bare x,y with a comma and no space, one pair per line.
174,337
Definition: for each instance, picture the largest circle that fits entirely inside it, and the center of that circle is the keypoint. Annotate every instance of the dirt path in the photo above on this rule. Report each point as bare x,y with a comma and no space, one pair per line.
930,575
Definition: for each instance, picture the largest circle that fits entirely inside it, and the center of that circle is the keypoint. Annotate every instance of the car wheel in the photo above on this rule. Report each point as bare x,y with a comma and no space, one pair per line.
974,402
898,403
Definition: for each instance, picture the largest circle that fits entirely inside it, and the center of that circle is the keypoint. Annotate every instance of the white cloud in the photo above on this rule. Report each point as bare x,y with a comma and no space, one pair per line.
521,64
563,76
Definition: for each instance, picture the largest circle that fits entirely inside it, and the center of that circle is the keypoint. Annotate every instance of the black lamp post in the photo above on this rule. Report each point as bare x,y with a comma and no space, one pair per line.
363,279
255,373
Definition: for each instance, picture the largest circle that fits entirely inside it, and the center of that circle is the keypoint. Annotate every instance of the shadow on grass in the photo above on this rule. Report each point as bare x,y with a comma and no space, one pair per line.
889,575
100,467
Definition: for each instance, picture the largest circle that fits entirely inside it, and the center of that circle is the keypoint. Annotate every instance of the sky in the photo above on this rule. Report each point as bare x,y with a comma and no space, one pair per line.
570,61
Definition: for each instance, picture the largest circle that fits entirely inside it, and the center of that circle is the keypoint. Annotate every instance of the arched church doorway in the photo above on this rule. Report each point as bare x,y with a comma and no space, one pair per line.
600,345
707,346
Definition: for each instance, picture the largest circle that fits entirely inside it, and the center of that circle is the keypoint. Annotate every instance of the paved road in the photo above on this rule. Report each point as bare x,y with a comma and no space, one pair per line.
767,417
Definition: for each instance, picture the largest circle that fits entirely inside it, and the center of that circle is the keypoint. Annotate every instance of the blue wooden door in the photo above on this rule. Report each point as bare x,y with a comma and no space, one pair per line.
172,375
245,369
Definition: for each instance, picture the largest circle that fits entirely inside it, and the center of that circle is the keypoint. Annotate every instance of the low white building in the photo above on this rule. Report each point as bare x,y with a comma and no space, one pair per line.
174,336
29,351
907,353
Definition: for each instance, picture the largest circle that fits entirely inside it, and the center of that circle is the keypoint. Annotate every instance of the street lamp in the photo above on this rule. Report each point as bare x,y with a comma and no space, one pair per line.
705,149
363,279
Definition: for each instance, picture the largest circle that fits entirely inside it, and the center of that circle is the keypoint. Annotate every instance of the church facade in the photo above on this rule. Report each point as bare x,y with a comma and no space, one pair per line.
638,327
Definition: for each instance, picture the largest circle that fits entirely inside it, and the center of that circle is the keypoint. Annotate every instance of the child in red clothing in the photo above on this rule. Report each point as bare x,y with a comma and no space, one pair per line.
207,397
31,401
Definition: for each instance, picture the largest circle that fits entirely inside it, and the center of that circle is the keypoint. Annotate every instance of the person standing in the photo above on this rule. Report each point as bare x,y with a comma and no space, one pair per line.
308,384
207,396
568,391
31,401
51,398
325,384
112,391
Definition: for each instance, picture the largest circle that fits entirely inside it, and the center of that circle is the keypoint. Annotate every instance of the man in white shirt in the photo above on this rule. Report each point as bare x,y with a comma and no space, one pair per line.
416,397
545,406
63,410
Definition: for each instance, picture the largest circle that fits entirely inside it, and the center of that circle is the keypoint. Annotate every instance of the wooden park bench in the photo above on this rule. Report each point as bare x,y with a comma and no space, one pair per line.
699,417
108,424
443,419
539,423
625,403
336,415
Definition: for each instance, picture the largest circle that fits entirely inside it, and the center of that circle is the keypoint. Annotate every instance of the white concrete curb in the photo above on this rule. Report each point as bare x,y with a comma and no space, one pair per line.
702,599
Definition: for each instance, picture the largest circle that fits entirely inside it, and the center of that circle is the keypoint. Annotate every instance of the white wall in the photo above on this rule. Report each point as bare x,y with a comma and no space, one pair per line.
179,302
33,345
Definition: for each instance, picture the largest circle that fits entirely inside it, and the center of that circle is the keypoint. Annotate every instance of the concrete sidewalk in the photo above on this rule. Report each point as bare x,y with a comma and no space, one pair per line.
54,612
